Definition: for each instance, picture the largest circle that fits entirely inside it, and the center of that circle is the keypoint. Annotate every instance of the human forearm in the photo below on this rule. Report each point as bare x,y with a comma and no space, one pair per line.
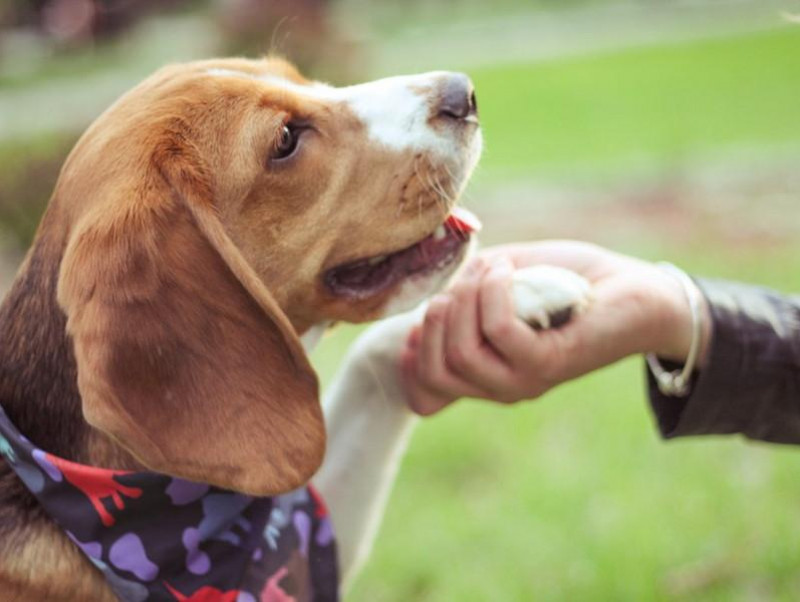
750,382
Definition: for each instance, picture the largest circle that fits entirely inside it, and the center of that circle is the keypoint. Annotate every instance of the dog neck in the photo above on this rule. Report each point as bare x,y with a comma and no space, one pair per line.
38,373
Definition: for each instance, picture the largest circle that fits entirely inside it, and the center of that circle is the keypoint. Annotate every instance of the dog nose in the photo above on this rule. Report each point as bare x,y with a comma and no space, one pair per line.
457,97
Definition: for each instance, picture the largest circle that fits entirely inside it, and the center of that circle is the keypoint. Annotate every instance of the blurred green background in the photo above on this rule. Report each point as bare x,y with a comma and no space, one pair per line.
666,129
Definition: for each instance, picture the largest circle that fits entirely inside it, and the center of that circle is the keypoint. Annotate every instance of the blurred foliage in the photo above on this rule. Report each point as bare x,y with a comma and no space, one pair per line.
246,22
29,172
302,29
389,16
79,21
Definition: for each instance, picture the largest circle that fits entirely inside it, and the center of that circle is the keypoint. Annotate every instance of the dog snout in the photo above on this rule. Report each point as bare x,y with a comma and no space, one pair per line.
457,98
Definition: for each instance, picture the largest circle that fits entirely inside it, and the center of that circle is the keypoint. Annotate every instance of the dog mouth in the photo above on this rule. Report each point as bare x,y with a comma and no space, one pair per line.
371,275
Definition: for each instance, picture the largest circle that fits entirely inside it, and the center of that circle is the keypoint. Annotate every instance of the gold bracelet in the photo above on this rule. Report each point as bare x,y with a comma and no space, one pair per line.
676,383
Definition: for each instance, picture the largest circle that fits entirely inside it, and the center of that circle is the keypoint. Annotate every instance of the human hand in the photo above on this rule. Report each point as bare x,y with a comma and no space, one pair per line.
472,344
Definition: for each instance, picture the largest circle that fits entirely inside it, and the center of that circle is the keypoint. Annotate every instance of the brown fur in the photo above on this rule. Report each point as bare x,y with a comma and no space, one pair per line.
163,293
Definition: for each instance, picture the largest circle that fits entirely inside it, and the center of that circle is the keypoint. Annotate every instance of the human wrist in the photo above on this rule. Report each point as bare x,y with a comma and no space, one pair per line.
676,319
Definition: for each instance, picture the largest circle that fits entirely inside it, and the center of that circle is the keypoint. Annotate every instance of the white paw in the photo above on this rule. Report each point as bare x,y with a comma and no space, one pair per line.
546,296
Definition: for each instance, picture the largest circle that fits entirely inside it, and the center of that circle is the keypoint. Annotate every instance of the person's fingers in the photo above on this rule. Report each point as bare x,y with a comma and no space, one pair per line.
465,352
421,400
434,379
475,268
518,343
430,357
587,259
414,337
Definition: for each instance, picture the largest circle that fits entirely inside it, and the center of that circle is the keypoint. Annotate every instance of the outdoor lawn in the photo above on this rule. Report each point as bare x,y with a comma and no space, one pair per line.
575,497
664,104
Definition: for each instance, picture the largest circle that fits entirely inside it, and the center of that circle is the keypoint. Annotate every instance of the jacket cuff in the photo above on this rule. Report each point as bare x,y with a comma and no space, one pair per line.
724,398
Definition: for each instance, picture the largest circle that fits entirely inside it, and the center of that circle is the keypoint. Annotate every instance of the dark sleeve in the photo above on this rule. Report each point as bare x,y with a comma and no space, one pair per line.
751,382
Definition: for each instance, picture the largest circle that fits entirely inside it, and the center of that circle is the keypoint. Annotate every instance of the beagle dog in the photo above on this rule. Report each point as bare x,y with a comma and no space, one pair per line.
159,419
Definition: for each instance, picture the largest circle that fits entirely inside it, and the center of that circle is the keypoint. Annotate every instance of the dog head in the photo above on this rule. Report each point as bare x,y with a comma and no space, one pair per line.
220,209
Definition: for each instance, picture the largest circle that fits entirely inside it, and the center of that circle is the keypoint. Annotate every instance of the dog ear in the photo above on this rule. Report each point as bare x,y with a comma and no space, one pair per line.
184,358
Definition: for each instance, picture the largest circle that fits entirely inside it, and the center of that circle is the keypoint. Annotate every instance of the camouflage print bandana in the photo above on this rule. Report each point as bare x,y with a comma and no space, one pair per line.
156,537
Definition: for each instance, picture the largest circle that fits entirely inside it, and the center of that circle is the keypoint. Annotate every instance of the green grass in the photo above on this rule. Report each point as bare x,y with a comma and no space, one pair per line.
574,496
29,170
66,65
663,104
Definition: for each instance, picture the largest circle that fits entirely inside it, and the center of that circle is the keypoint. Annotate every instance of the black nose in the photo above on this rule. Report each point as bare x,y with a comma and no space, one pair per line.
457,97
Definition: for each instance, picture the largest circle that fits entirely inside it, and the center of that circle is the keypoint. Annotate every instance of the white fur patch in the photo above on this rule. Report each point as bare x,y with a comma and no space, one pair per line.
414,290
395,110
542,291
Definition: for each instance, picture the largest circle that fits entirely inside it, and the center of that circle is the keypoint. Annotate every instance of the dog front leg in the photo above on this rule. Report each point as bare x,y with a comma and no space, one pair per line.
369,425
368,419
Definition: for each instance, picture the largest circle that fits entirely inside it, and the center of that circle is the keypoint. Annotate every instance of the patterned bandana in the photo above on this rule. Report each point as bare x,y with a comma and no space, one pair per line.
156,537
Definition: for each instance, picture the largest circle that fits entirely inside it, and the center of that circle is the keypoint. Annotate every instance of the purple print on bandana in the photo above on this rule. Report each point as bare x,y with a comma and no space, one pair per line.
128,553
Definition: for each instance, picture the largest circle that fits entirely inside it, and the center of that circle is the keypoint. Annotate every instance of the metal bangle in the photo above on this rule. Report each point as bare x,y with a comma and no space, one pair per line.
677,382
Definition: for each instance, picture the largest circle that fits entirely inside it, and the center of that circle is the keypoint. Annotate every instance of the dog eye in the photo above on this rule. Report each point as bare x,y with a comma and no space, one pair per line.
287,143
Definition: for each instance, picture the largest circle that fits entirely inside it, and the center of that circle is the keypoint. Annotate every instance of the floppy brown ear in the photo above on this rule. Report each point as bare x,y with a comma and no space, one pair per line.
184,358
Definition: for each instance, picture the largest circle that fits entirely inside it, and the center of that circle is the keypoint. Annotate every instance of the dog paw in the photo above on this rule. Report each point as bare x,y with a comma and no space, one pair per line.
547,296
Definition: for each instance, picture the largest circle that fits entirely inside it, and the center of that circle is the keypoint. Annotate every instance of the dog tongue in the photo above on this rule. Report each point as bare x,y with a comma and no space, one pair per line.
464,221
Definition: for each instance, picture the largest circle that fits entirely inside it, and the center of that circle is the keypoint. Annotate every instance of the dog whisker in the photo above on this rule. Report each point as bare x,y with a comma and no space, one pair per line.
440,196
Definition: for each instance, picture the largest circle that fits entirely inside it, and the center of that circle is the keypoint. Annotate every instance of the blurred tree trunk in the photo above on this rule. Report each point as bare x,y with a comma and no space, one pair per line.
300,30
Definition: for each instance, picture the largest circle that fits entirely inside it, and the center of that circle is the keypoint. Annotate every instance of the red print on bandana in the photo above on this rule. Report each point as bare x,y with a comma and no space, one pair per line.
96,484
273,592
205,594
321,509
